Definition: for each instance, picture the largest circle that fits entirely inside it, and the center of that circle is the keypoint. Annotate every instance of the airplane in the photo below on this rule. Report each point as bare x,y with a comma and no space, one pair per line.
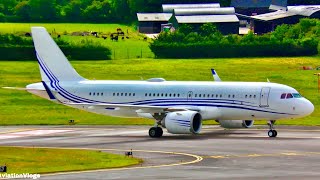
178,106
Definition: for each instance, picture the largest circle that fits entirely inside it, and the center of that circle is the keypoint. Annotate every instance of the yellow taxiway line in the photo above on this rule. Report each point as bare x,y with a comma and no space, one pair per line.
196,160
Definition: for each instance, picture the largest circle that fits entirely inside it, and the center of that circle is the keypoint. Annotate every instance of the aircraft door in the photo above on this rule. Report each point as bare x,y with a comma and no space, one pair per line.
264,96
189,96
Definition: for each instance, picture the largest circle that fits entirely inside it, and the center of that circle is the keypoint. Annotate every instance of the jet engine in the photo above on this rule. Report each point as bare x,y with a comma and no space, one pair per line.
230,124
183,122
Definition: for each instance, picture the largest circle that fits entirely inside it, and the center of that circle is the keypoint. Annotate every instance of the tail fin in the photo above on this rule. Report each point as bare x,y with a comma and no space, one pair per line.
215,75
54,66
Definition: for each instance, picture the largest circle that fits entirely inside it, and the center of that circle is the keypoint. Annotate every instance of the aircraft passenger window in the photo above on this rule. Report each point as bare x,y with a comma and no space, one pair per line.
208,95
217,96
254,96
101,94
145,94
220,95
154,94
97,94
189,95
195,95
125,94
246,96
250,96
94,93
178,95
296,95
229,96
158,94
199,95
166,94
134,94
90,93
174,95
170,95
233,96
204,95
114,94
129,94
161,95
212,95
289,95
121,94
149,94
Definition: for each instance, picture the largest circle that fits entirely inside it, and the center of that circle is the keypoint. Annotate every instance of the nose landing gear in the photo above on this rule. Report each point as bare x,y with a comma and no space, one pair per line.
272,132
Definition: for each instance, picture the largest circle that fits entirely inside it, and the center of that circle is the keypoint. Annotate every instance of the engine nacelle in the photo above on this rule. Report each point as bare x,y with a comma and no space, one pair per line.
236,123
183,122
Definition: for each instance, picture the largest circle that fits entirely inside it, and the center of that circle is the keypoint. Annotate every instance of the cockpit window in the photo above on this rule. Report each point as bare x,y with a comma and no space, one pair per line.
283,96
296,95
289,95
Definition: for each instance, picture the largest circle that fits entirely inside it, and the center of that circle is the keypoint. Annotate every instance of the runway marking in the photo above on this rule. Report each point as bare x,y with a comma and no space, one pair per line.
197,159
264,155
34,132
16,130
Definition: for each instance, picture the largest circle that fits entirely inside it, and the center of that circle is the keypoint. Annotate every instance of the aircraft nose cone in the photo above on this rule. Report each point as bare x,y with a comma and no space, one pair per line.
308,107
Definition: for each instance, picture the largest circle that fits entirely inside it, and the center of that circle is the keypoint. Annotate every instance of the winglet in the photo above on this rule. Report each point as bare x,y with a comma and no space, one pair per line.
215,75
50,94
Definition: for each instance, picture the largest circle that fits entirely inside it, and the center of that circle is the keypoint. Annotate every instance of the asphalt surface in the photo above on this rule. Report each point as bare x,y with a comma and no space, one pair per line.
214,154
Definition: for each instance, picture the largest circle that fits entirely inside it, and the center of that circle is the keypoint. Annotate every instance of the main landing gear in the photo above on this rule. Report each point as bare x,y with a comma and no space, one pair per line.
155,132
272,132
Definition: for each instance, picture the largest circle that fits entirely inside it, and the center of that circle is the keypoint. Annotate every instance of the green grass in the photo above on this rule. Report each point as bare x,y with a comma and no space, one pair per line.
49,160
134,47
19,107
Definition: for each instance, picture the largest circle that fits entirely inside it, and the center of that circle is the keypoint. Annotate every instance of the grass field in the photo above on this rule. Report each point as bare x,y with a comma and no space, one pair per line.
134,47
44,160
19,107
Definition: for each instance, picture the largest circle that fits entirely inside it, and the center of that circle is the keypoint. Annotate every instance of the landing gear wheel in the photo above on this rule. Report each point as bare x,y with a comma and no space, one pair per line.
275,133
155,132
272,133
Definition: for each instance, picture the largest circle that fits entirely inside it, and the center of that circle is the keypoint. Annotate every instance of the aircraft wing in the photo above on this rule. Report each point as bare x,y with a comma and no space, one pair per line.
137,108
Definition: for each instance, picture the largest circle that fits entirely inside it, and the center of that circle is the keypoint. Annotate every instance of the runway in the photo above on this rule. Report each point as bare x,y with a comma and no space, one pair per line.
214,154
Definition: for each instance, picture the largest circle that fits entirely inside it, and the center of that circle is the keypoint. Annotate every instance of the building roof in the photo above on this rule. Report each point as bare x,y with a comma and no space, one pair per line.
292,11
204,11
207,19
257,3
304,10
154,16
273,15
168,8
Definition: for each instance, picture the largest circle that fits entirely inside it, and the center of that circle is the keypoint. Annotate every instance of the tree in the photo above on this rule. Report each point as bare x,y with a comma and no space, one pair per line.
7,6
43,10
23,10
98,11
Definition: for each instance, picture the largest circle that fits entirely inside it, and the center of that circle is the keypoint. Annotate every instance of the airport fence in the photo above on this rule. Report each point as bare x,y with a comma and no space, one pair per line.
131,53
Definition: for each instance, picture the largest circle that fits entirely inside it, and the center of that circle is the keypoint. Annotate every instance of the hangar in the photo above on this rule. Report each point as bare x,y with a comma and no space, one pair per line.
226,24
194,14
265,23
151,22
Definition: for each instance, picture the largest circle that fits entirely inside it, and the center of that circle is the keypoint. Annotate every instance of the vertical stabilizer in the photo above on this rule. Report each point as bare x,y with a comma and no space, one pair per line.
54,66
215,75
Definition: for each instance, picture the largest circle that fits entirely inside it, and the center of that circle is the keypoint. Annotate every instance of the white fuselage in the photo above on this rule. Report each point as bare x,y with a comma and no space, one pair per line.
214,100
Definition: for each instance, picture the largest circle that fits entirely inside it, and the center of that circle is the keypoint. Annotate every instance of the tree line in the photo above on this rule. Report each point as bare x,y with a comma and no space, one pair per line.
18,48
301,39
95,11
